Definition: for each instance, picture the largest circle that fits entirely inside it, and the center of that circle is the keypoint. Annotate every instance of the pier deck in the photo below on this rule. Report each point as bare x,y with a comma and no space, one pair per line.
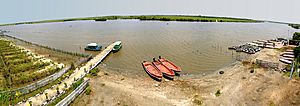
40,99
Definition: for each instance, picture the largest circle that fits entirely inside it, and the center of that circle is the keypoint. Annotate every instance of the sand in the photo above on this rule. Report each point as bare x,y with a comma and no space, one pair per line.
237,86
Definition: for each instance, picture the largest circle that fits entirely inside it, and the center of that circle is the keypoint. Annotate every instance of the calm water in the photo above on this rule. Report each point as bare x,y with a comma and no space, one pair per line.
196,47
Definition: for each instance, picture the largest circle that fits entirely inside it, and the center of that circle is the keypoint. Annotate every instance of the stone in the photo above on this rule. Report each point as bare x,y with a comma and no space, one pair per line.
157,85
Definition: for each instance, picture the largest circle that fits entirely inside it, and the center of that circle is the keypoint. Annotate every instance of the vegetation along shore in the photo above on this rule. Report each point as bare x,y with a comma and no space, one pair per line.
188,18
23,63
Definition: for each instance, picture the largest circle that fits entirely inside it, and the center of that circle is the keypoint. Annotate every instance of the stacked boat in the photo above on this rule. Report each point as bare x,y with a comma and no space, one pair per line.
287,57
161,68
247,48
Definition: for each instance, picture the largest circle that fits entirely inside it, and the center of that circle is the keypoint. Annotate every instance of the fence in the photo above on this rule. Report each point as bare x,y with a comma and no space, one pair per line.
67,100
31,87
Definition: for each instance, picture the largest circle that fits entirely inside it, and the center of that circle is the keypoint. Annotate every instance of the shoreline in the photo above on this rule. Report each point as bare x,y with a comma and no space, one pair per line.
179,18
237,86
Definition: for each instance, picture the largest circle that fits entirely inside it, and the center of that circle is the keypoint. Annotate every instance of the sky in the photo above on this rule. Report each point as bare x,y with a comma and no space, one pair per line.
34,10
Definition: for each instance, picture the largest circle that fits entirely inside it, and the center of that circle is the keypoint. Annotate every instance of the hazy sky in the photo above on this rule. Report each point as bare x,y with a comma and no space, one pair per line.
33,10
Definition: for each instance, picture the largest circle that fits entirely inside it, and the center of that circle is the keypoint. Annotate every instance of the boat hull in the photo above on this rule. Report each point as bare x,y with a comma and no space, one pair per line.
116,49
167,73
153,76
170,65
94,49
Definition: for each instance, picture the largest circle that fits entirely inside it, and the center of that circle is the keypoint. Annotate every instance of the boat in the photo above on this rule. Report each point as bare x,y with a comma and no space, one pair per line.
167,73
117,47
287,55
287,58
152,71
93,47
170,65
286,61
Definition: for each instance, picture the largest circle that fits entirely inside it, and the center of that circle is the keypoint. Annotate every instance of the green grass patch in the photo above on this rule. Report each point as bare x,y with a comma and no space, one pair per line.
39,90
218,93
94,71
88,90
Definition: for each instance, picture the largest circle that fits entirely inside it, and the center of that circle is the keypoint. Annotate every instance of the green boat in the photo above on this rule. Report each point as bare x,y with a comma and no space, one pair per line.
117,47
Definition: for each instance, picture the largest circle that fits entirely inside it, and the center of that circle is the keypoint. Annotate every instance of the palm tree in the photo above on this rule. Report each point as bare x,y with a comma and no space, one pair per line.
47,98
30,103
57,90
66,85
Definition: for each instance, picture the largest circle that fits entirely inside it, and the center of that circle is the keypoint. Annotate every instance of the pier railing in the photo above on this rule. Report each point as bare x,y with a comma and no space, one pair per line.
67,100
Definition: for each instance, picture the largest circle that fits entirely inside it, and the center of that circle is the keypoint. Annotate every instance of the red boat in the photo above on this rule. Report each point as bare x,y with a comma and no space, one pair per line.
169,65
166,72
152,71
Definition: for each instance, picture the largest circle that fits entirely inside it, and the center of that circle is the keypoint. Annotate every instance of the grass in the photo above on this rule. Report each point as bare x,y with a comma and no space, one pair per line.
188,18
20,69
218,93
68,91
41,89
88,90
94,71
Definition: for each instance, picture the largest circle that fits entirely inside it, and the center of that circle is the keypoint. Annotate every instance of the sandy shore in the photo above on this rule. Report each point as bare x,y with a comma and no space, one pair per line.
238,86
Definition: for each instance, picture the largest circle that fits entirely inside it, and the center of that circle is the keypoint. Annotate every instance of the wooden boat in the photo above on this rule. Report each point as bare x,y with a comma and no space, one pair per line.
167,73
287,58
289,50
286,61
287,53
117,47
152,71
169,65
93,47
290,56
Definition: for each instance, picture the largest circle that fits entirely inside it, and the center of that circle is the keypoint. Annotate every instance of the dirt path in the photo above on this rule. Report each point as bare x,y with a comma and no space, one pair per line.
238,86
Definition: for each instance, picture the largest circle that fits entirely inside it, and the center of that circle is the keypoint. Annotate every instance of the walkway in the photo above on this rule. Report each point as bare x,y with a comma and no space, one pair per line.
40,99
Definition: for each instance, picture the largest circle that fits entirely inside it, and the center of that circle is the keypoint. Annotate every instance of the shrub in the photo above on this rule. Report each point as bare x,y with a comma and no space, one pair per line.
94,71
296,36
296,26
76,84
218,93
297,51
88,90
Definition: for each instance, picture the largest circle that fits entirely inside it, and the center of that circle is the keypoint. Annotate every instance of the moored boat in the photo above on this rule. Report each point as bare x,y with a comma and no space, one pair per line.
93,47
287,55
286,61
169,65
152,71
167,73
117,47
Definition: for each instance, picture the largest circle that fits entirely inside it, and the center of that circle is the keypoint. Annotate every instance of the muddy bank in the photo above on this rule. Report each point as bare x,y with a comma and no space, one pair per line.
242,83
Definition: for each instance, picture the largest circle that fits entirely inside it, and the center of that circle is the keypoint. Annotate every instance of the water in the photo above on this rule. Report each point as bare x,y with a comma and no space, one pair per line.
196,47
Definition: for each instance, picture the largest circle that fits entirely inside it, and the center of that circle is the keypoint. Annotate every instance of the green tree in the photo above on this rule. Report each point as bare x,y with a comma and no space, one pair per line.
72,66
296,36
297,51
57,90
